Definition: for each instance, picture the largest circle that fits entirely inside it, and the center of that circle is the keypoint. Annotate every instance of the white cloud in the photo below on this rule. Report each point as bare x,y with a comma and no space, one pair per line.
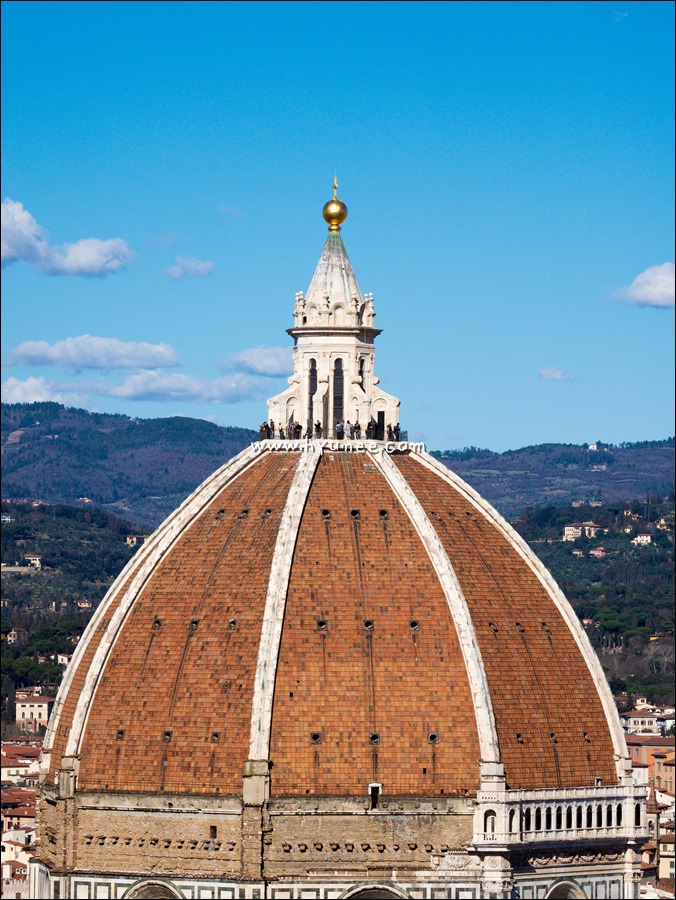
32,390
41,390
90,352
189,266
154,385
553,374
271,361
21,235
653,287
88,256
23,239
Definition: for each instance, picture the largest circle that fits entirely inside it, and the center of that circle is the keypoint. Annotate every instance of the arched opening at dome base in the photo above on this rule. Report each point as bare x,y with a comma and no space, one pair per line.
566,890
152,890
374,892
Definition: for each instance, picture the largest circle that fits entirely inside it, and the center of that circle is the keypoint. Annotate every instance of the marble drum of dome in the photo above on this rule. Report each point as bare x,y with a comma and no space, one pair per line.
336,669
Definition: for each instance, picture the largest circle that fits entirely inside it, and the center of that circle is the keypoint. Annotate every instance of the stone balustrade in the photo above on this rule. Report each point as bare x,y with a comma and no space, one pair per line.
568,815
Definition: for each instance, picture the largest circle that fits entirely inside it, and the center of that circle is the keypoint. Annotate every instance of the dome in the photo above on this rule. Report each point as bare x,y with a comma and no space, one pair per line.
354,617
335,671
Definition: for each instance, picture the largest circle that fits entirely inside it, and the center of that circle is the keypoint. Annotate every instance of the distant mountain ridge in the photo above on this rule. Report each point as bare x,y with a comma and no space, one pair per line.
142,469
561,474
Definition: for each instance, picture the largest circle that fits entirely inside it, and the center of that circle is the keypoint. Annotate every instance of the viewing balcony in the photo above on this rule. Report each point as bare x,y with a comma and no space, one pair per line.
590,814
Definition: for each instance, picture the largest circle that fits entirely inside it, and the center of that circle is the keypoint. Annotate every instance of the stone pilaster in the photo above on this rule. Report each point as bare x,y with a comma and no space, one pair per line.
255,794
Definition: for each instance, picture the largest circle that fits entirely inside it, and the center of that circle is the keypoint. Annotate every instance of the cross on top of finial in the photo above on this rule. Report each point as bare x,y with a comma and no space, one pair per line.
335,186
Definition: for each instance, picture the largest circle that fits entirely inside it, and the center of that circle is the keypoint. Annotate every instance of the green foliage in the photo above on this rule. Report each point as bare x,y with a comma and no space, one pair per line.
82,551
628,594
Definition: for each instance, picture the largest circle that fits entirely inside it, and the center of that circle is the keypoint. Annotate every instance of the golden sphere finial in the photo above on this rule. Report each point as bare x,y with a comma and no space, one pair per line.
334,211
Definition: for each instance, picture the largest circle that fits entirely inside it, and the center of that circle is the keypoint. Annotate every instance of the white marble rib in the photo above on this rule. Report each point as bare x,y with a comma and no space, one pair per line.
476,673
275,604
558,598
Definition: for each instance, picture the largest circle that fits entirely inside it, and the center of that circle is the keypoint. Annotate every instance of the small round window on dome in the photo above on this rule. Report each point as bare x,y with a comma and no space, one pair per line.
326,514
374,738
243,514
368,624
355,514
232,625
215,737
157,624
267,513
166,736
414,625
316,737
322,625
384,513
433,737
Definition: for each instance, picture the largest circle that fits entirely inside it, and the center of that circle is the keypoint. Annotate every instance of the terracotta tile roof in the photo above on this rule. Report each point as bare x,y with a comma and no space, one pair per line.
346,683
389,702
200,669
17,795
20,751
650,740
529,653
19,812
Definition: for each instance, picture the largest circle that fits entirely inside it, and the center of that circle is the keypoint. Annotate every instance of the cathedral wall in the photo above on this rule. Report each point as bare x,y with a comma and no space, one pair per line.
199,837
420,846
361,844
50,831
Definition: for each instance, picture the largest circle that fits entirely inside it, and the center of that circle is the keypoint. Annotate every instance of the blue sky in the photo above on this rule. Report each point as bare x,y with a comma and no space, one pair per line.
508,169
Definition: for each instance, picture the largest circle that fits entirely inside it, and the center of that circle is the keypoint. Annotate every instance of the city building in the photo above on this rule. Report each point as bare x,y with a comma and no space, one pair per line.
17,636
575,530
663,771
642,748
20,763
665,869
640,721
641,540
32,712
18,809
336,672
